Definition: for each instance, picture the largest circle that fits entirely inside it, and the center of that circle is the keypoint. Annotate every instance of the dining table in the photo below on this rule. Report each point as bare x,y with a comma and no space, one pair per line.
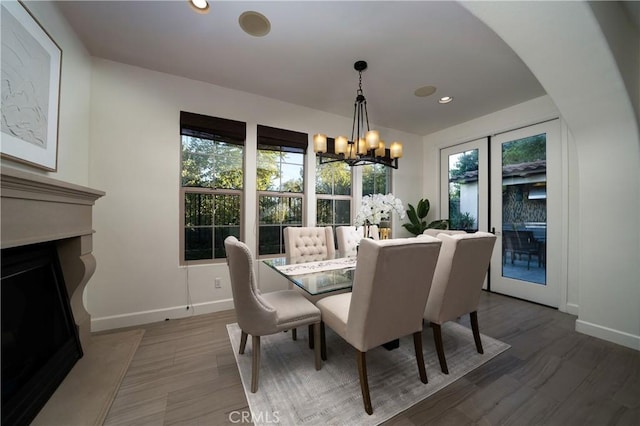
320,277
316,277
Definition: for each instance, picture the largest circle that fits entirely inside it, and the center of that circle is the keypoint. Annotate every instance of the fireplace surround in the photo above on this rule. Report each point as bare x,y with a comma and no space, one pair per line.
37,210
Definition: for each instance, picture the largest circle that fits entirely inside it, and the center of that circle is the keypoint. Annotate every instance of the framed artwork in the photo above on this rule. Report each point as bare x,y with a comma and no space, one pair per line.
31,69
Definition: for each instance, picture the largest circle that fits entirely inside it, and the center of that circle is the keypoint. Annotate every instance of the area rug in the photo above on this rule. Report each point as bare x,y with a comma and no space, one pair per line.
292,392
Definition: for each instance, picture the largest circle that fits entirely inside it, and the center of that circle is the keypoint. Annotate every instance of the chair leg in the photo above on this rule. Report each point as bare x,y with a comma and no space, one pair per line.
364,383
243,342
294,333
323,342
417,344
255,364
317,345
476,331
437,337
311,336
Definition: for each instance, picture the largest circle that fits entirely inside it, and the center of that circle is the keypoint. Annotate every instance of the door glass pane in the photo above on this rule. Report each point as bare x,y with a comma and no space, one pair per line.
463,190
524,209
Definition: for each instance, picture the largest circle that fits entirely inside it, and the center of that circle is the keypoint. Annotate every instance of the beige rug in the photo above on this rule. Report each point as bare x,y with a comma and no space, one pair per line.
292,392
86,394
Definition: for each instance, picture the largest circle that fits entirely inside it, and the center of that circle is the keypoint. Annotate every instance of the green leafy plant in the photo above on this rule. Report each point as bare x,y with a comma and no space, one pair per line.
417,214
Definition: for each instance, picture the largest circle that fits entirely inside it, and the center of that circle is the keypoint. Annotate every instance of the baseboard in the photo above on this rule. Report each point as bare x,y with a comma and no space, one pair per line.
609,334
147,317
572,308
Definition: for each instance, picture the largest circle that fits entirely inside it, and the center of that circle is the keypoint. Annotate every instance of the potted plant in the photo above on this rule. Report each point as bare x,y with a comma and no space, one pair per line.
417,214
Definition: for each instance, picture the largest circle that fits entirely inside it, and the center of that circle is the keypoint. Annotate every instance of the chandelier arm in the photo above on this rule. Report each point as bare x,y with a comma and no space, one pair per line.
353,125
366,114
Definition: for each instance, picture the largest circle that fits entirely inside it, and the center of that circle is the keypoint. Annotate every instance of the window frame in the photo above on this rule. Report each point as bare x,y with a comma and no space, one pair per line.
218,130
284,141
335,197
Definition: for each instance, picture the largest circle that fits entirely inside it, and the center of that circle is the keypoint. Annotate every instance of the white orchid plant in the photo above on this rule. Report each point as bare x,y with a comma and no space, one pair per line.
378,207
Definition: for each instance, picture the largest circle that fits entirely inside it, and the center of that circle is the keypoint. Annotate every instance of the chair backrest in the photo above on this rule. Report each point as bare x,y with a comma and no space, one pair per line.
348,238
460,273
434,232
309,243
391,284
256,316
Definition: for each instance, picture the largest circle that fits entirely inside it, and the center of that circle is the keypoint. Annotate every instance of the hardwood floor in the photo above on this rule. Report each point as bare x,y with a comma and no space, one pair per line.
184,373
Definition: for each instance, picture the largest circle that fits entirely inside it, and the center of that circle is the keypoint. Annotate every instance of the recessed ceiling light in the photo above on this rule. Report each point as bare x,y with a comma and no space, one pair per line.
200,6
425,91
254,23
445,99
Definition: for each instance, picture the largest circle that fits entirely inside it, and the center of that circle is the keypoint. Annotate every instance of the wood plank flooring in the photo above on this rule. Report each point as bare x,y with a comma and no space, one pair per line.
184,373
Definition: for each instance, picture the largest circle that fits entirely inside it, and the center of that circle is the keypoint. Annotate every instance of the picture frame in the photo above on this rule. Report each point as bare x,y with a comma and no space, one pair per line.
31,77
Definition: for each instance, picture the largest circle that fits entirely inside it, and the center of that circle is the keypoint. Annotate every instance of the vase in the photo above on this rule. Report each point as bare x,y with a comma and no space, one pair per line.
384,229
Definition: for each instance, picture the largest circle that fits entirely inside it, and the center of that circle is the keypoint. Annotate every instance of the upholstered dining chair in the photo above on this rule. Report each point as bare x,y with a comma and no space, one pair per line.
457,283
348,238
309,243
434,232
261,314
390,289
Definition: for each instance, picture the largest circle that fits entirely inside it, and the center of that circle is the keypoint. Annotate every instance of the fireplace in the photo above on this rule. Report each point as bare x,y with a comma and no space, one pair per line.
47,243
40,342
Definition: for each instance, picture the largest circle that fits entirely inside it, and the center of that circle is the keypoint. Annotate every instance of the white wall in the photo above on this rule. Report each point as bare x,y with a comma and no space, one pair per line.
73,130
135,153
572,60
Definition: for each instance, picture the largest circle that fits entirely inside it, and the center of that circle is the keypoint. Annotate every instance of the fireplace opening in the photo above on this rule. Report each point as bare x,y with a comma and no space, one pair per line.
40,342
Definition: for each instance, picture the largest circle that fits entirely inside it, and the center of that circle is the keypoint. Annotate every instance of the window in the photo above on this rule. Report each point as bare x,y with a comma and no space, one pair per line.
333,194
212,174
280,185
376,179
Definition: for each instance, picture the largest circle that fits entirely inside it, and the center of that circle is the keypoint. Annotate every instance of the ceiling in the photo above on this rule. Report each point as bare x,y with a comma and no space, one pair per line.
307,58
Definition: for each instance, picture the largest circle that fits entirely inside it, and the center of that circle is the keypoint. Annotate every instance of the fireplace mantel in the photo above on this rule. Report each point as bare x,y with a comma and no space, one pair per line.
38,209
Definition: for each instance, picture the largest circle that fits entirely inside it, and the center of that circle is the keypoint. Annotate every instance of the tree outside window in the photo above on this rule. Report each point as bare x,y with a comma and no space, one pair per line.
376,179
212,179
280,187
333,194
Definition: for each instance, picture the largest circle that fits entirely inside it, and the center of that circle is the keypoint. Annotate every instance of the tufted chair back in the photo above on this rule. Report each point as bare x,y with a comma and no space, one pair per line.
309,243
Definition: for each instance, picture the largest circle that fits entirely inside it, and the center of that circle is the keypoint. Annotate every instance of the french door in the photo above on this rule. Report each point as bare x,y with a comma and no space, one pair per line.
511,185
464,195
526,213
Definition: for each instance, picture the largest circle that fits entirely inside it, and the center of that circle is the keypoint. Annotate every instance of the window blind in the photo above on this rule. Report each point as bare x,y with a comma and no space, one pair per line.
282,140
213,128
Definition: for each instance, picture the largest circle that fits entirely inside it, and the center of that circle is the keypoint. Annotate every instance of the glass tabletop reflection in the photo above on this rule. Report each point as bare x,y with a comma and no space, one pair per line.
317,276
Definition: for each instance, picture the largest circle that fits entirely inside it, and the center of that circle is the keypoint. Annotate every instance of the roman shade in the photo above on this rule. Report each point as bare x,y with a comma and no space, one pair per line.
282,140
213,128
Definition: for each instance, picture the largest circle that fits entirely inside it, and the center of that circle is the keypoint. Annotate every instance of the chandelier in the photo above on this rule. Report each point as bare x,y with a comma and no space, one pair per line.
365,145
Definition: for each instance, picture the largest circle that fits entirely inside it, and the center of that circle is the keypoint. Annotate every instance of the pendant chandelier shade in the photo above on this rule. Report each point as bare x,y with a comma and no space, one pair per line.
365,145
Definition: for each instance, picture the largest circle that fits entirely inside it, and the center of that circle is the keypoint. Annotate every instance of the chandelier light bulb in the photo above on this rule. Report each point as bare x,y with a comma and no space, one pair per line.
373,137
396,150
362,146
341,145
320,143
380,150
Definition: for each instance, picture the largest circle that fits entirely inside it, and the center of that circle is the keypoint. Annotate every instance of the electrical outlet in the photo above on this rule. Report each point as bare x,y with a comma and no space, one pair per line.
218,282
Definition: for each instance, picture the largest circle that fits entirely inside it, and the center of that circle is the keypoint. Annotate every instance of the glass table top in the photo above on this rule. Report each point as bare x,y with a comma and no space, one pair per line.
316,277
